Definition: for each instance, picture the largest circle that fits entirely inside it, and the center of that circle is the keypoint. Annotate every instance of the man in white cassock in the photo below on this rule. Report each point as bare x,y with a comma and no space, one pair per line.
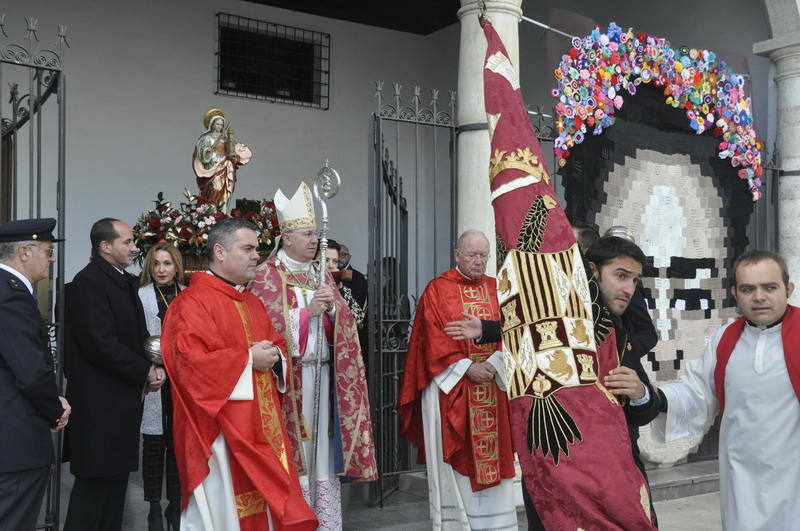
452,400
750,376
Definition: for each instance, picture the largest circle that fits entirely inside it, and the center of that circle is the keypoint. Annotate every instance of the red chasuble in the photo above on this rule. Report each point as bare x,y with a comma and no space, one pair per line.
208,331
476,434
790,336
569,431
273,286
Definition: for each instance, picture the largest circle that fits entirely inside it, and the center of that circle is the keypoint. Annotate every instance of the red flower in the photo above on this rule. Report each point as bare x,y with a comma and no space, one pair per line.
250,216
184,232
220,215
154,222
202,200
236,213
717,131
161,236
573,53
642,37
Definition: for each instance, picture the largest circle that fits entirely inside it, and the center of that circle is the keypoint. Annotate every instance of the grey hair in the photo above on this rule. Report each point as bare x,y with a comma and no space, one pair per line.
9,249
466,234
223,233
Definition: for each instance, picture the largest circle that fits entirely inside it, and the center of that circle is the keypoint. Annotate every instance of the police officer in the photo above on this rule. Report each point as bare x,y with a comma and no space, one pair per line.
30,407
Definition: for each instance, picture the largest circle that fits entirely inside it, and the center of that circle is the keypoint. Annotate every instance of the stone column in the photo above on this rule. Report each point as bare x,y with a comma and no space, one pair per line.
474,208
785,53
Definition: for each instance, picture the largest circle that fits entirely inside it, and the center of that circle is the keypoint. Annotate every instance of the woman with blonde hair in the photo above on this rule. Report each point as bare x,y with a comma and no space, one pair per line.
161,281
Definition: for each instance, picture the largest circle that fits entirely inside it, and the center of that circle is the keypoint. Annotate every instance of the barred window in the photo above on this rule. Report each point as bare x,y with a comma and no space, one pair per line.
272,62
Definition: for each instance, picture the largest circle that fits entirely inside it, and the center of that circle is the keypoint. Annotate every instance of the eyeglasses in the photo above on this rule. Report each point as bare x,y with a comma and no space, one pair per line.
473,256
307,233
50,252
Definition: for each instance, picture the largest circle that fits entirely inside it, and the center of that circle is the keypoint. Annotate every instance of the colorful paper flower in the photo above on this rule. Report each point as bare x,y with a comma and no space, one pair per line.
597,69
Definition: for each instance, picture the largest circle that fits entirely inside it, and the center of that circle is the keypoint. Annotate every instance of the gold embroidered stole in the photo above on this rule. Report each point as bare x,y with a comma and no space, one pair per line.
476,300
250,503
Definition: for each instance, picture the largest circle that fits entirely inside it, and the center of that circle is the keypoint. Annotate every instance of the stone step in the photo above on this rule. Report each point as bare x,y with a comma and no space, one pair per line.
680,481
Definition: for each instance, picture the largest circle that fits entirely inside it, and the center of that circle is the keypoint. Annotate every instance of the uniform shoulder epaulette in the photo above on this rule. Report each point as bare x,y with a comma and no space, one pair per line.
15,284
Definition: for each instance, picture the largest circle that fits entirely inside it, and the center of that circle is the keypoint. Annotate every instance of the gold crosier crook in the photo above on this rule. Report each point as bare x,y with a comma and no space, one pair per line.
326,186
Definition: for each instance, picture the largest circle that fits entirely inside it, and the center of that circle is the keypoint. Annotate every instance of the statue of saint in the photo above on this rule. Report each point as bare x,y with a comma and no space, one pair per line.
216,159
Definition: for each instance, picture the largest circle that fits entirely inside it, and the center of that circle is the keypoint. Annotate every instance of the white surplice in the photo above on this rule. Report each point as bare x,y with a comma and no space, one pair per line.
759,441
327,504
212,504
453,504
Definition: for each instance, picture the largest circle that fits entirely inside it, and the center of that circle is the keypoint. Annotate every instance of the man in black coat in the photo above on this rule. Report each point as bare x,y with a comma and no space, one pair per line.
355,281
30,407
107,373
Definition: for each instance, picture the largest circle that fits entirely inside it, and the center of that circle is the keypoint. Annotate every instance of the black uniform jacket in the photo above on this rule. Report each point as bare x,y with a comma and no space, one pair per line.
29,404
636,336
106,370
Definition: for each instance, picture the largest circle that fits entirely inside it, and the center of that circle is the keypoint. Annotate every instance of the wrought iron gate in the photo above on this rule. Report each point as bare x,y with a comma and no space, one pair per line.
417,141
29,76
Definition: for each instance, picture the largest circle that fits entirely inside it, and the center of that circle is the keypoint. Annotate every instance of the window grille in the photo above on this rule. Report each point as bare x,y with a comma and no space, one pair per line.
272,62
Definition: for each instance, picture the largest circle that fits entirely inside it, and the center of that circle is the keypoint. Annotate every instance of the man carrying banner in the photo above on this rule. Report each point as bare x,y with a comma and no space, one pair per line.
568,429
452,399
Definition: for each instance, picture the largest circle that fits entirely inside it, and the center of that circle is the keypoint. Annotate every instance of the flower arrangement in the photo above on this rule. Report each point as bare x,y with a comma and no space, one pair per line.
592,75
187,226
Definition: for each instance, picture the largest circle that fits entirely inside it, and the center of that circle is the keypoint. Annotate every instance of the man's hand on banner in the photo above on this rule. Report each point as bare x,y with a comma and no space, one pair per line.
624,381
469,328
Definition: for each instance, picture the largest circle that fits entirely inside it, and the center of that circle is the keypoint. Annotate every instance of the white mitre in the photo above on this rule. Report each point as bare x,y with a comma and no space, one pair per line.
297,212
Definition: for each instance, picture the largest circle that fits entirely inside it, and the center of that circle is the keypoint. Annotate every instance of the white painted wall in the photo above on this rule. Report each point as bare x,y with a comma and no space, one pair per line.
141,74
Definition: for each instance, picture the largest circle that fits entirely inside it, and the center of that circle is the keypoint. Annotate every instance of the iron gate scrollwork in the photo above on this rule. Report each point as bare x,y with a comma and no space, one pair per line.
403,256
29,76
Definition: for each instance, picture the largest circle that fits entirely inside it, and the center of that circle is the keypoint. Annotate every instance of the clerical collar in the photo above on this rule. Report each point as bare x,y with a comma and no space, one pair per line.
234,285
767,327
466,277
293,265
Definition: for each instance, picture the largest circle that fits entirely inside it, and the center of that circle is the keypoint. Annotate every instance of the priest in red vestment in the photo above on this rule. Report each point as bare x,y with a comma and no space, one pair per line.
568,429
452,399
226,366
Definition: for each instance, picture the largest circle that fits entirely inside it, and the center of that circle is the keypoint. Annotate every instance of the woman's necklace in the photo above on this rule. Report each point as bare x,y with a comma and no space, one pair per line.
163,298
